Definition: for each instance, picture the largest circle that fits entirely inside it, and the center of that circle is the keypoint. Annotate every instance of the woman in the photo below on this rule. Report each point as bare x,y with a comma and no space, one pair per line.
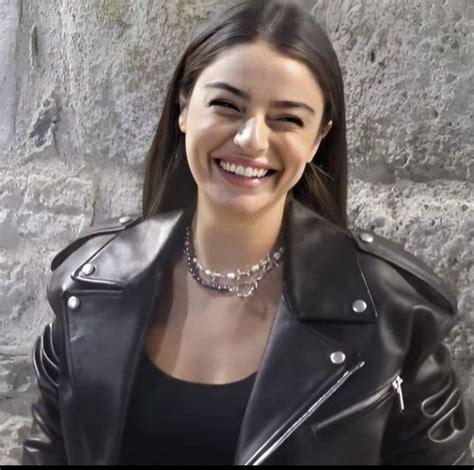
238,320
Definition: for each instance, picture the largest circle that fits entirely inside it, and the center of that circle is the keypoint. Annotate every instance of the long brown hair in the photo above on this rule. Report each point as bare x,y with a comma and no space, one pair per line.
169,184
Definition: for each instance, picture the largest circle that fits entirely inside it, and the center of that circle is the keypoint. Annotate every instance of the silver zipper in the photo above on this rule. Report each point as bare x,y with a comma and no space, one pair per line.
397,384
393,385
292,428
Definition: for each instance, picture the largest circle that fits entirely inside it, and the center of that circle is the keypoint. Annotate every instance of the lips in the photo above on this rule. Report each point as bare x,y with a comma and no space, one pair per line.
242,181
269,172
245,162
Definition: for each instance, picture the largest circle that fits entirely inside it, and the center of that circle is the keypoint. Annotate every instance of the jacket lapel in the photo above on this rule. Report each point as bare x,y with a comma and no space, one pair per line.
323,275
296,376
116,300
300,369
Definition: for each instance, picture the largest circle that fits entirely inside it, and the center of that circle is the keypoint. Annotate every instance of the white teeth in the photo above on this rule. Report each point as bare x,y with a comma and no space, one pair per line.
243,171
248,172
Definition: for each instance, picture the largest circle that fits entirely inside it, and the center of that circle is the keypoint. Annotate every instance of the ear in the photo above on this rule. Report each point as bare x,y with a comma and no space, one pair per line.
182,120
326,130
320,138
183,114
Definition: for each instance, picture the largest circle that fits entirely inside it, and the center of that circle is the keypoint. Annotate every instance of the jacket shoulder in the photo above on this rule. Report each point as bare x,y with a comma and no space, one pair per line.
395,254
106,226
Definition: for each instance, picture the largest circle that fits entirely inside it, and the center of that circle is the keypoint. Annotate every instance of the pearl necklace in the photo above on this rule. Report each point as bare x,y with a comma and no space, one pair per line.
241,283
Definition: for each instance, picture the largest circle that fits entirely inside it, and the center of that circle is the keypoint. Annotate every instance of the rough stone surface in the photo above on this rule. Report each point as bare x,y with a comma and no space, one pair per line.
82,88
408,69
9,17
18,390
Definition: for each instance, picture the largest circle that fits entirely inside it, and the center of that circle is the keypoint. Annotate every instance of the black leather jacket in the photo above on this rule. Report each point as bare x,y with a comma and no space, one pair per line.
354,371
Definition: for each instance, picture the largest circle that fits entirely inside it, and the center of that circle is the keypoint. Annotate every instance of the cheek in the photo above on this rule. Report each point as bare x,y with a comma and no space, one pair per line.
297,172
296,153
202,140
294,162
204,130
199,140
200,129
201,118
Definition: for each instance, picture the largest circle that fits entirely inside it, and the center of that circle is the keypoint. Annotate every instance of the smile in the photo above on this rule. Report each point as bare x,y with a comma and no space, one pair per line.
243,176
241,170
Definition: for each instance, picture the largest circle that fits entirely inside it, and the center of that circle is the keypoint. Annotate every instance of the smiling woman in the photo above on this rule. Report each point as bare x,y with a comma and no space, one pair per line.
238,320
252,131
301,100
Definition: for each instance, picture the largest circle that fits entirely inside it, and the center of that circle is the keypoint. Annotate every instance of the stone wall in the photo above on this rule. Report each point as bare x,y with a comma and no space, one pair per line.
82,85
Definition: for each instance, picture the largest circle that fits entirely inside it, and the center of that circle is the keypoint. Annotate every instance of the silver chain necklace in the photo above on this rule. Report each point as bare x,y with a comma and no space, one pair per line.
242,283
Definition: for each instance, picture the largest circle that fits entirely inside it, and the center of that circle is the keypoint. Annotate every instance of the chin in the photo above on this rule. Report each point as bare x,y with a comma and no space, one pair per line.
243,206
240,206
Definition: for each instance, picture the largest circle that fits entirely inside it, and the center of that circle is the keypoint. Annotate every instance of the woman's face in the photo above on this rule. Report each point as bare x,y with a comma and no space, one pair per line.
247,126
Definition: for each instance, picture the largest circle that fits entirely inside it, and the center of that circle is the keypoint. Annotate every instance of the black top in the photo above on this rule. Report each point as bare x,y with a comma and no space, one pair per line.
172,421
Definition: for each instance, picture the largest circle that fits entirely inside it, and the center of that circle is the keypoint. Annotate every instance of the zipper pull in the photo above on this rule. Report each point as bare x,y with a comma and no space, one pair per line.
397,385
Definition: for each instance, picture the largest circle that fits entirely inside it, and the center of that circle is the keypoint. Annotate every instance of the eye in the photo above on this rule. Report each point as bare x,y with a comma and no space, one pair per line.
294,120
224,104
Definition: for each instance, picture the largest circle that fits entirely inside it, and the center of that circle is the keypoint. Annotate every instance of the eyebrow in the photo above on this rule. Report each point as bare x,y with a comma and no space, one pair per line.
246,96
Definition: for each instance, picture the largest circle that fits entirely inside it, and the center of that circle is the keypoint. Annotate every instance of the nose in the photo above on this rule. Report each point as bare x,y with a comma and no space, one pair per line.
252,136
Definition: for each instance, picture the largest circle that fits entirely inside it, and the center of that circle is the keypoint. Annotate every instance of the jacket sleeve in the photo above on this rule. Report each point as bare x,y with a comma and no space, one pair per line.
435,428
44,444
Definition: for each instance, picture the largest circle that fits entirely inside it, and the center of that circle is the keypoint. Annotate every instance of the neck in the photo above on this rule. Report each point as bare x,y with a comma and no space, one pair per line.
224,241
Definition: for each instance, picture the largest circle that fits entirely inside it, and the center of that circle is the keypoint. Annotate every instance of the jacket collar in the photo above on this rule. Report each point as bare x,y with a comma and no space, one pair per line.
322,279
321,271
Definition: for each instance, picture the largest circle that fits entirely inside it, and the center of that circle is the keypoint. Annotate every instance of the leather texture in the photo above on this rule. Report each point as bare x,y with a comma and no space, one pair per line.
325,392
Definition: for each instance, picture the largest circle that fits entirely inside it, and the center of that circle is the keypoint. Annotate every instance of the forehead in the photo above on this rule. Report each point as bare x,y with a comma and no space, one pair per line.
261,70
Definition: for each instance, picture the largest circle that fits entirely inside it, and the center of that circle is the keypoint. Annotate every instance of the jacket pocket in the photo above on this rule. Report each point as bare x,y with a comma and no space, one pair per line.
385,393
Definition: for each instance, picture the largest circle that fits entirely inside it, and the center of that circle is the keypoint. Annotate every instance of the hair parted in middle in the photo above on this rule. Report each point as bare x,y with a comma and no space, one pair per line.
288,27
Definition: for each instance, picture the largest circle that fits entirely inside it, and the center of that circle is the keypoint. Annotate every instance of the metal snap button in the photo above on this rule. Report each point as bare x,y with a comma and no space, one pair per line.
88,269
73,303
359,306
338,357
366,237
125,219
